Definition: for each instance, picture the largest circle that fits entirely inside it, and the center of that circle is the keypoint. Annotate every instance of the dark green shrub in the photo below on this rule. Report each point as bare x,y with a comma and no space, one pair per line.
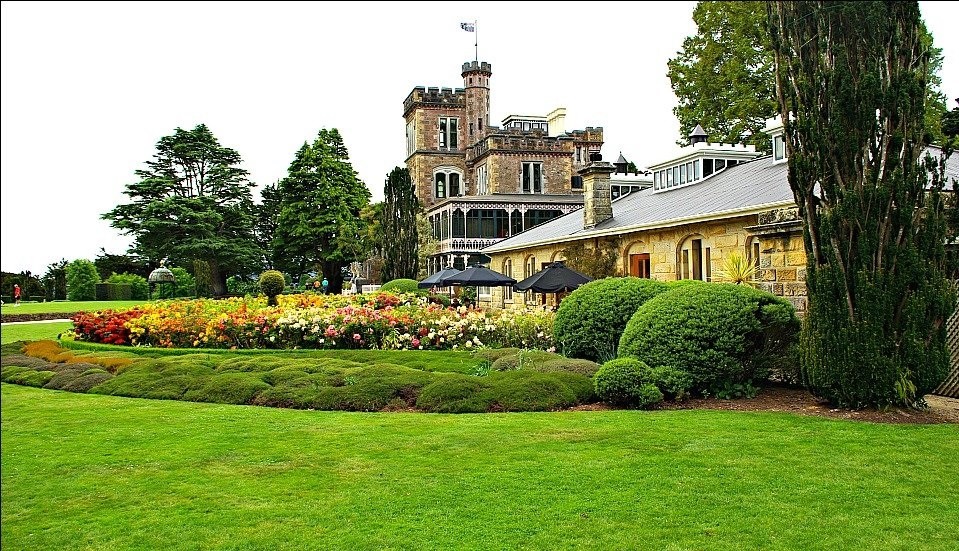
114,291
674,383
524,359
591,319
283,374
139,287
528,391
272,283
568,365
293,393
581,385
227,388
680,283
456,393
371,388
625,382
716,332
65,375
398,286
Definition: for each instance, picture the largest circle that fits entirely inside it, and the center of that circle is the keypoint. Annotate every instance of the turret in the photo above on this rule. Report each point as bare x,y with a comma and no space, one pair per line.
476,75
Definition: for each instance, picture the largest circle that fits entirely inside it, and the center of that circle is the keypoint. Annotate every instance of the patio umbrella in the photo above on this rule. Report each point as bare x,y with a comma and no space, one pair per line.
478,276
436,279
554,278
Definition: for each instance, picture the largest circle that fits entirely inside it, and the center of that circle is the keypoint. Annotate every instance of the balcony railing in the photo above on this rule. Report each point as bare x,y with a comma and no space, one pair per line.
473,244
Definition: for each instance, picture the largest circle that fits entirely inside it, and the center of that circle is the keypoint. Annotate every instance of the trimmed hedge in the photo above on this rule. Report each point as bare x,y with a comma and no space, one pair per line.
271,284
590,321
398,286
716,332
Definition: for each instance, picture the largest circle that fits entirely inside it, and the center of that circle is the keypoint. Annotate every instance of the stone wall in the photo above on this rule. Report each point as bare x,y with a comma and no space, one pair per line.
782,259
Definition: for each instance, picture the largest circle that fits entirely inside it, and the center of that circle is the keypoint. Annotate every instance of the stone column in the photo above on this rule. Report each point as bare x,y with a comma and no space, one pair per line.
597,203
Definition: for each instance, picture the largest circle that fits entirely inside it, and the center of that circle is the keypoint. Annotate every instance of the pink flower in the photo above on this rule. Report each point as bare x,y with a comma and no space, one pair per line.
356,336
415,342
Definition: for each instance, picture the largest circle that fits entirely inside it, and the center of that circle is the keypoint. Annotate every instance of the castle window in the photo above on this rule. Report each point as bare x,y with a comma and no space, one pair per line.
454,184
579,154
439,188
447,135
479,123
532,178
779,148
482,180
410,137
508,272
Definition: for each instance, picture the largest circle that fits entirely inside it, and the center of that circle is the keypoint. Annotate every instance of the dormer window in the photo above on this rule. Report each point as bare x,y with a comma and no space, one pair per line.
779,148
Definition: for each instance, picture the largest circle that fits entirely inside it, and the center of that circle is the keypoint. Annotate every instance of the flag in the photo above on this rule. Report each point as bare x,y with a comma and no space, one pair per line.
468,27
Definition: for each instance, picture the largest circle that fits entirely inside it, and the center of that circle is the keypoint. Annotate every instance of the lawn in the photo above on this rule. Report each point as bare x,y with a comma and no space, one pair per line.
99,472
67,307
32,331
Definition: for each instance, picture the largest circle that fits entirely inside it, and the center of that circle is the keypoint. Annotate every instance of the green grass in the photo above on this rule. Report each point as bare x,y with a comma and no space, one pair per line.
69,306
32,331
97,472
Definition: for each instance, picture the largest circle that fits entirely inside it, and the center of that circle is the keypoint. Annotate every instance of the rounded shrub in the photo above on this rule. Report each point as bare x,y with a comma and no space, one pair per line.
398,286
625,382
524,359
529,391
591,319
272,284
718,333
456,393
227,388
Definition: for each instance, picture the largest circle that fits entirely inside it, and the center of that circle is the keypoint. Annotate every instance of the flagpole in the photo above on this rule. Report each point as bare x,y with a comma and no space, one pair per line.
476,38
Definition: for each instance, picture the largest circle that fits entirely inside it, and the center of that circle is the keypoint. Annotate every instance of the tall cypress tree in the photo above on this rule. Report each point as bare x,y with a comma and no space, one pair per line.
400,236
851,80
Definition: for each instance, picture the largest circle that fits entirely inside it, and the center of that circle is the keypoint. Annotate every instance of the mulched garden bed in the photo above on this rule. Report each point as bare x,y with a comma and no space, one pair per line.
10,318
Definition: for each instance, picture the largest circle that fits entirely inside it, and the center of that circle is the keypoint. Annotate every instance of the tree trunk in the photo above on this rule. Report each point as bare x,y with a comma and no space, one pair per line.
333,273
217,279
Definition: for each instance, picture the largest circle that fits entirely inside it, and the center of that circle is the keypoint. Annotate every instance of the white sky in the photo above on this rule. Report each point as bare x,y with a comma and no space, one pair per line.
89,88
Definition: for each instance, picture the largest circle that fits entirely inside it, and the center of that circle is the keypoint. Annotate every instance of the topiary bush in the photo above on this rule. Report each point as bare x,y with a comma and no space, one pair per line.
271,284
716,332
524,359
398,286
626,382
590,321
227,388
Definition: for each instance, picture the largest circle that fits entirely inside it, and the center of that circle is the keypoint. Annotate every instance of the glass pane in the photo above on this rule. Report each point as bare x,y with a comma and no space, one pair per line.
442,132
526,178
720,164
440,185
707,167
453,133
537,178
682,174
696,169
454,185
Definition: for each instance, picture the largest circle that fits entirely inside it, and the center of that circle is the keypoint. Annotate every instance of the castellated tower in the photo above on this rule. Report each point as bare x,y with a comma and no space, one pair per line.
476,83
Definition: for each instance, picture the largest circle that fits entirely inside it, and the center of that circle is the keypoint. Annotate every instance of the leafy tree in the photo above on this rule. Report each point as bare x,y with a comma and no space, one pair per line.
852,83
723,77
399,226
192,202
321,198
55,280
82,279
30,285
108,264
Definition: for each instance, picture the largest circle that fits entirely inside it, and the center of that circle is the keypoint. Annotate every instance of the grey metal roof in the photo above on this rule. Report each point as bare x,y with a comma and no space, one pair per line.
698,132
748,186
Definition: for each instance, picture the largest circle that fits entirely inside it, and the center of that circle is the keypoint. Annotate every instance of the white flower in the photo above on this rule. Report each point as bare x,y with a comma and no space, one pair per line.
469,344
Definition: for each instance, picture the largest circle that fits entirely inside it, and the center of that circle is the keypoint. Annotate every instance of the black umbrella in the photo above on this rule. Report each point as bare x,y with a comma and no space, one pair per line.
478,276
436,279
554,278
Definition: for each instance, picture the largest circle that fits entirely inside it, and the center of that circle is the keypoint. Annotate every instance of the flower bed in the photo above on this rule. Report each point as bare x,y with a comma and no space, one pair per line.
374,321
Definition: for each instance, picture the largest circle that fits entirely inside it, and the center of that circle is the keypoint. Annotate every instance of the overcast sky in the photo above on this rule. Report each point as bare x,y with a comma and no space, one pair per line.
89,88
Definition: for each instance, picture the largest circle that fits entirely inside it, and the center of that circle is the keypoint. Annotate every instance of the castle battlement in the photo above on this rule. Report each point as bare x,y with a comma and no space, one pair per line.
477,67
436,97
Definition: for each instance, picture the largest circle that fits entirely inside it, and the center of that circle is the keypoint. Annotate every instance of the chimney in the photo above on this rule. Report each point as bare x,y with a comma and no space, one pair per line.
597,204
556,121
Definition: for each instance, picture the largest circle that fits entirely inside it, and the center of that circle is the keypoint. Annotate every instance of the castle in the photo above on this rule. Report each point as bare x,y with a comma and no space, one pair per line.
481,183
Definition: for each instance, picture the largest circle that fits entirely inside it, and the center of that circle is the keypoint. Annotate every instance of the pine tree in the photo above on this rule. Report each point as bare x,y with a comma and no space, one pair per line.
400,236
321,198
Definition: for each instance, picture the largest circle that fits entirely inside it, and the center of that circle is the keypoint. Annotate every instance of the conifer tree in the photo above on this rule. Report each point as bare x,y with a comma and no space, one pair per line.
851,81
400,236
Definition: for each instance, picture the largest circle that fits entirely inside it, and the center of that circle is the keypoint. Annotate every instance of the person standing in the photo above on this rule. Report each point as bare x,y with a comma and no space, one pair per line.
326,285
16,294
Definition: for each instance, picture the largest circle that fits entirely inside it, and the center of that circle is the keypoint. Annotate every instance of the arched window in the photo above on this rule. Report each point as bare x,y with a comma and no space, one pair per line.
693,259
447,182
752,253
508,272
